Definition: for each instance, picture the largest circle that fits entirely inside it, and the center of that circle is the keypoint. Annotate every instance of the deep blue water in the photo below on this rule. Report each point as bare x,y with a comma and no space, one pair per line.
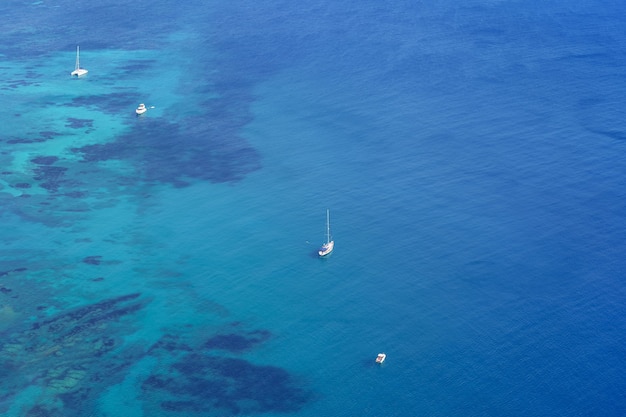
471,156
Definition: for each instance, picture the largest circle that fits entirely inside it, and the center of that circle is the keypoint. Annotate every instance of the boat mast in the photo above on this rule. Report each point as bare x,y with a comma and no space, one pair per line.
327,226
77,57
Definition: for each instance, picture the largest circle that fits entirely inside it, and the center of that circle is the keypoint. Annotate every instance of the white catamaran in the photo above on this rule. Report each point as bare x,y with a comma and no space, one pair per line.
78,71
330,244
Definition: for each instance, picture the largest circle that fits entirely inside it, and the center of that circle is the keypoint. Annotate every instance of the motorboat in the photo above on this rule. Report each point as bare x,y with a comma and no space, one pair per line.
141,109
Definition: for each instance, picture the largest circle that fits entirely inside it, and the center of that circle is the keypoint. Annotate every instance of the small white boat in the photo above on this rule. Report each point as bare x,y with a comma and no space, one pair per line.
141,109
330,244
78,71
381,358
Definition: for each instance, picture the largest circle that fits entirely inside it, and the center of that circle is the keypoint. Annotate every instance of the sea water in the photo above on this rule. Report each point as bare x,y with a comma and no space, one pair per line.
471,157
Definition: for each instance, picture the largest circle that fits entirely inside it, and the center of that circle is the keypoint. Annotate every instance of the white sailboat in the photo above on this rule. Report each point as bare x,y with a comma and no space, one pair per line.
330,244
78,71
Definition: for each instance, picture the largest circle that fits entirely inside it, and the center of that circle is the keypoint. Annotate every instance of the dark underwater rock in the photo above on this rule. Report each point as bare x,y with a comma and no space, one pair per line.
93,260
45,160
74,354
203,384
233,342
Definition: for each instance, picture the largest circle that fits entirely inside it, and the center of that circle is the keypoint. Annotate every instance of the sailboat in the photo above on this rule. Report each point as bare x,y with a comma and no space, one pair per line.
330,244
78,71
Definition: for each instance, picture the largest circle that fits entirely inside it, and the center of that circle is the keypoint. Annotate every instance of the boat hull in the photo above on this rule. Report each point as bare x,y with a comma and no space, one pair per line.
326,248
79,72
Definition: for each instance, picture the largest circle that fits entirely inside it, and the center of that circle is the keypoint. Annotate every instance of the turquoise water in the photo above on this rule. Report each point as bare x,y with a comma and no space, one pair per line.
471,157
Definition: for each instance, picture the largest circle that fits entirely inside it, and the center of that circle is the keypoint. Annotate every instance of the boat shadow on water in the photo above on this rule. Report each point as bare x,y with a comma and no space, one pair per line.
315,255
369,363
